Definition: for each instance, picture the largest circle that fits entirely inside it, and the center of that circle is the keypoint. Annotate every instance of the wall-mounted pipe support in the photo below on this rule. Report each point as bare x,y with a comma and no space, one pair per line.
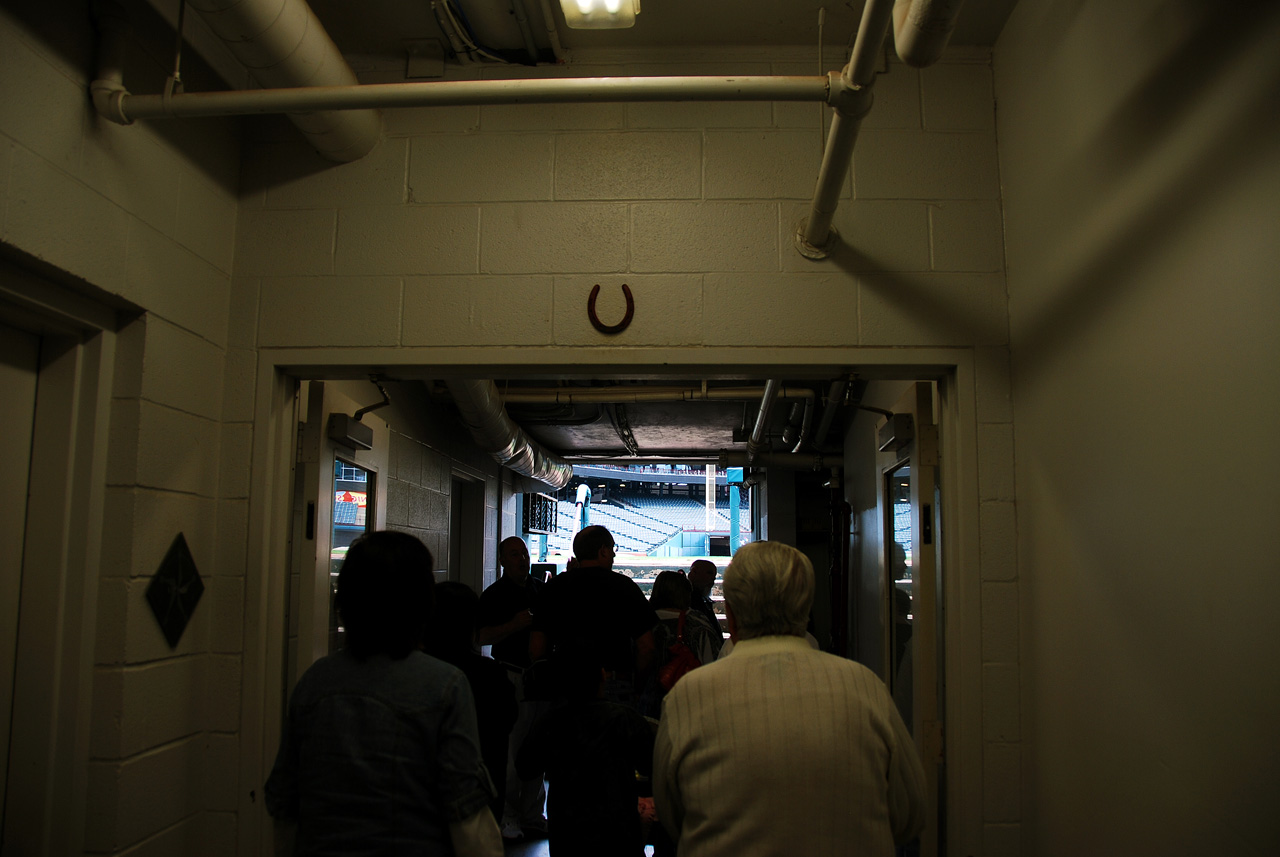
762,419
814,235
108,89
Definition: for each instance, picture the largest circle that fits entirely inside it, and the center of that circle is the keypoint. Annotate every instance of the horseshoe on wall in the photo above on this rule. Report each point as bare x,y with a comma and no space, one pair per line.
610,328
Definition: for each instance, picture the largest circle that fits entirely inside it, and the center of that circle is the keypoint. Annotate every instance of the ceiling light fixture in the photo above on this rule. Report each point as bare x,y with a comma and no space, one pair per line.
600,14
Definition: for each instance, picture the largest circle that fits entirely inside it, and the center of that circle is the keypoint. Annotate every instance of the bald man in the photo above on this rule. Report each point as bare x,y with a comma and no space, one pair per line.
505,617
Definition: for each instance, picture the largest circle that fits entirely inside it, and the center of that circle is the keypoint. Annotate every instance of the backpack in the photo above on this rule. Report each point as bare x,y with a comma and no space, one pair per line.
681,661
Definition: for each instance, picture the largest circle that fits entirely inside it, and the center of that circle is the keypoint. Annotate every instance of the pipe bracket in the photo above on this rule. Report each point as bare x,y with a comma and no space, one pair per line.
814,251
108,100
610,328
851,100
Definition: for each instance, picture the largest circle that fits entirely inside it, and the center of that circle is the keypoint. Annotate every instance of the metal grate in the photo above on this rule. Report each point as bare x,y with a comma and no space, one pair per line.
539,513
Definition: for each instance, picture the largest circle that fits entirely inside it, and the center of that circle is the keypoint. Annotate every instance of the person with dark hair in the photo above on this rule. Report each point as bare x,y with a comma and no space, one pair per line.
677,625
592,605
590,750
451,637
702,577
379,752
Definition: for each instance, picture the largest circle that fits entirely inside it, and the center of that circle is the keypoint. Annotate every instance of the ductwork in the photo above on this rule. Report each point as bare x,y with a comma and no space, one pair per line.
922,28
480,405
282,44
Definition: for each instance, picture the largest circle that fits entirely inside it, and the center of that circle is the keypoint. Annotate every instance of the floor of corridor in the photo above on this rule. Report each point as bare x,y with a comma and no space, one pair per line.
540,848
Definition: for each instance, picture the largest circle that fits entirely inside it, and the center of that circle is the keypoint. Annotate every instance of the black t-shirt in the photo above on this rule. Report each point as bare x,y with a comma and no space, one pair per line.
498,604
603,609
590,752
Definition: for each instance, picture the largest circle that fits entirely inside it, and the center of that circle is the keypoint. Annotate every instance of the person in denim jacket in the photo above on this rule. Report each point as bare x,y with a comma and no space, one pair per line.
380,753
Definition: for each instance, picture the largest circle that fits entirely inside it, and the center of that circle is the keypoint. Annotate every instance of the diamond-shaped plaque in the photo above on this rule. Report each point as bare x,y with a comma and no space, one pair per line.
174,590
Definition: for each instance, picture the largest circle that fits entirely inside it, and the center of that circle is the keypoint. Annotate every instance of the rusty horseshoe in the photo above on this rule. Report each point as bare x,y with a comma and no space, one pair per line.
610,328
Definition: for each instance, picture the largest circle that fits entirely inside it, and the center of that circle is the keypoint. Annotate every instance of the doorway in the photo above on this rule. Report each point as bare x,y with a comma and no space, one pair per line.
466,531
19,371
952,395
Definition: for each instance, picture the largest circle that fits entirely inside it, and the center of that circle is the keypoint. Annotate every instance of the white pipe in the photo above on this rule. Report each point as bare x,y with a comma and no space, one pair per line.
556,395
526,32
813,235
282,43
451,34
553,34
762,419
922,28
460,92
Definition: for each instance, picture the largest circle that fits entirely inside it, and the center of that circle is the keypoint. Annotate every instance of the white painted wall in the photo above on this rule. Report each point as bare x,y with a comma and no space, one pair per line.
1141,171
146,214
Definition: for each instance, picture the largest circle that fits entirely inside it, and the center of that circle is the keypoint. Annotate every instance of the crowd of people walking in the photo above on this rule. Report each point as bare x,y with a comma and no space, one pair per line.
647,726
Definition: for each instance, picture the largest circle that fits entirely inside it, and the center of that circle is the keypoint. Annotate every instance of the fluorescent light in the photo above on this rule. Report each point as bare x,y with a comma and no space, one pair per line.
600,14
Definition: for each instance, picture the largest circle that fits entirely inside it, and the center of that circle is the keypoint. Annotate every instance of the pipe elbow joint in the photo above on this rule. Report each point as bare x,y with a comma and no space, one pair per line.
108,100
850,100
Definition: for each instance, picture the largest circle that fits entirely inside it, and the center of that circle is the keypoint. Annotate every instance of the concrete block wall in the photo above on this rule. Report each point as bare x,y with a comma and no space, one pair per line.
418,494
145,213
1142,263
488,226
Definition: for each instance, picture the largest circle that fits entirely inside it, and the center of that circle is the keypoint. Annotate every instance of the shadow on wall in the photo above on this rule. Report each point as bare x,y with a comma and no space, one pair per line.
1162,150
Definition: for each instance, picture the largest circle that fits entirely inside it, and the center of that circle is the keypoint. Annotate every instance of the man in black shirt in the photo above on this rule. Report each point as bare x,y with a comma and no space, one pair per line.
506,606
593,605
505,616
702,576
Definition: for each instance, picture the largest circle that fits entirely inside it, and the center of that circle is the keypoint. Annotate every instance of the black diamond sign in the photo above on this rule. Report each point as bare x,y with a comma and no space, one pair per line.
175,590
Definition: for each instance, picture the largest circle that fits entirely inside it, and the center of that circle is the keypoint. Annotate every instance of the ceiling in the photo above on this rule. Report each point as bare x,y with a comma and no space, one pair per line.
382,28
374,33
585,418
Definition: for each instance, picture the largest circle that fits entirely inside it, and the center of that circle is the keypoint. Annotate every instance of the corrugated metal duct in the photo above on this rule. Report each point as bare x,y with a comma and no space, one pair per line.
485,416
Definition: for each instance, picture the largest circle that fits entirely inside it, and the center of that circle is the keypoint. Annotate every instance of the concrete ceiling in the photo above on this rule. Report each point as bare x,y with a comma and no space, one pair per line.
674,430
381,28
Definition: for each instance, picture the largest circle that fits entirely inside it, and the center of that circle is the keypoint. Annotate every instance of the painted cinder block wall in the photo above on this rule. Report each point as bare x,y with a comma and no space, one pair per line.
1141,162
146,214
466,227
488,226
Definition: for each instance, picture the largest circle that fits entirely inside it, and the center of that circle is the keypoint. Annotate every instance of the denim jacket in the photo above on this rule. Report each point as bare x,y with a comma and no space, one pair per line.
378,757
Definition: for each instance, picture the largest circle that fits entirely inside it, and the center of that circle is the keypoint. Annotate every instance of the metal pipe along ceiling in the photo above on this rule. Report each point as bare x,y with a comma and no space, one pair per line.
616,395
284,46
481,408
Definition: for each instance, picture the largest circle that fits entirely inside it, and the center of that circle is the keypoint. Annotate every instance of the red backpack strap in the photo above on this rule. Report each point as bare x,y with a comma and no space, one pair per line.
680,627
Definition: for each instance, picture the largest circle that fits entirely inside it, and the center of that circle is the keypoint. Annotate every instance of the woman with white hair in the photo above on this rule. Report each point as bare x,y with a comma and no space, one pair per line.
779,749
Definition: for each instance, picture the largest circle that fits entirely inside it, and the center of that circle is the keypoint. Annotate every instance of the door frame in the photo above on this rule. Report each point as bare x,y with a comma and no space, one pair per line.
274,439
53,670
920,453
312,529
